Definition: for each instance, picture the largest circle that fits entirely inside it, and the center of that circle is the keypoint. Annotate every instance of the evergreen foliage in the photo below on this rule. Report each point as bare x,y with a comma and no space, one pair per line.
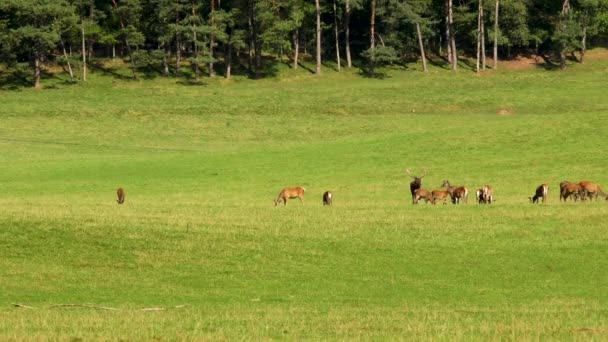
160,35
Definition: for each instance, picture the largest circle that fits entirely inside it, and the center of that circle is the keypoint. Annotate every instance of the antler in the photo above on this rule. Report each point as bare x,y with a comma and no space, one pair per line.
423,173
409,172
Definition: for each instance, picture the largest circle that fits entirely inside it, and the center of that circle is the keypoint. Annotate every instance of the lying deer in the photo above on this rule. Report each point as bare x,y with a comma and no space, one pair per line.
542,191
120,192
327,198
288,193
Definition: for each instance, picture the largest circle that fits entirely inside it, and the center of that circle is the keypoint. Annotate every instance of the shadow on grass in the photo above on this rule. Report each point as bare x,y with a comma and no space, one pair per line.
15,79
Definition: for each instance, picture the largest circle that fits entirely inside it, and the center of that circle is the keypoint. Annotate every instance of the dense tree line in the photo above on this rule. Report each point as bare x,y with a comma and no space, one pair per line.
219,36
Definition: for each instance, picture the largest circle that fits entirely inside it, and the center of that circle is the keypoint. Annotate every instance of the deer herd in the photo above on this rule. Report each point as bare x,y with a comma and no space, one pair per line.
581,191
584,190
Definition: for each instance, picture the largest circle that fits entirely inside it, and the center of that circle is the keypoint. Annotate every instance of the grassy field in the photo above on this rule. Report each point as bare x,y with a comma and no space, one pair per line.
201,165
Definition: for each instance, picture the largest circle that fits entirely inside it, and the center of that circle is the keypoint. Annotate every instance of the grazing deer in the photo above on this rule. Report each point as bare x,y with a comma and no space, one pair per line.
571,189
327,198
439,195
542,191
457,193
288,193
562,186
120,193
416,183
591,190
422,194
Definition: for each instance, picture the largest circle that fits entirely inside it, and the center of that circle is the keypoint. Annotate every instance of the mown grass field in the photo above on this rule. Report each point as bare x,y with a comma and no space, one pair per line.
201,165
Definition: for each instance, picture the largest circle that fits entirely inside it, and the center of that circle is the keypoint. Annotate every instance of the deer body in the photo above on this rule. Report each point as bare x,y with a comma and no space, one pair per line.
120,193
327,198
457,193
591,190
422,194
440,195
542,191
562,186
415,184
288,193
487,194
571,189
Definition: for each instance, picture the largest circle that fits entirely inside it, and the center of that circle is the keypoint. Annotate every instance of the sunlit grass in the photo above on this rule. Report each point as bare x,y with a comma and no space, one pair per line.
201,166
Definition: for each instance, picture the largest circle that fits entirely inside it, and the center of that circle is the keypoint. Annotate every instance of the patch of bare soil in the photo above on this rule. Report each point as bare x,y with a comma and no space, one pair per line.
505,111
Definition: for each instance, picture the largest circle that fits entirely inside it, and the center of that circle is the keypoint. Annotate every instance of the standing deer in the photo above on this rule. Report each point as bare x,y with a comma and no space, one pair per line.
120,193
562,187
289,193
570,189
422,194
487,194
591,190
542,191
327,198
479,195
439,195
457,193
416,183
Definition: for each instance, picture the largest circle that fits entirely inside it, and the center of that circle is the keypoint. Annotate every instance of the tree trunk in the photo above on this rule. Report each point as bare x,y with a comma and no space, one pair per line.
229,62
84,54
372,37
448,32
251,40
197,73
65,55
296,46
483,37
583,44
337,36
562,52
178,47
347,12
37,71
113,52
211,39
452,36
421,47
496,36
318,12
478,37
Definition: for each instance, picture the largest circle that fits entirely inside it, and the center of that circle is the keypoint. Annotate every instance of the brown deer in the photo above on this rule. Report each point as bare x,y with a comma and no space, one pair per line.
487,194
542,191
591,190
571,189
457,193
416,183
289,193
120,193
440,195
479,195
327,198
422,194
562,186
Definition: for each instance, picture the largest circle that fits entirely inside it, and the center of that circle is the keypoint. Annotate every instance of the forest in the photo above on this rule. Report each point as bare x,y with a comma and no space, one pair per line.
205,38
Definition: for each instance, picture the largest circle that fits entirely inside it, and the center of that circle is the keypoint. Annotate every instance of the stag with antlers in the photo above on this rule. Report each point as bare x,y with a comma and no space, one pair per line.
415,184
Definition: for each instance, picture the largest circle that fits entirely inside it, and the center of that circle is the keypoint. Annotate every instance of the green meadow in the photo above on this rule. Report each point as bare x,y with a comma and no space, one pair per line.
202,163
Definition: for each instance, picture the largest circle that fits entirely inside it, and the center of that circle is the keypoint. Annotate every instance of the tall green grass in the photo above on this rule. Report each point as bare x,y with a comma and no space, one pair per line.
202,164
